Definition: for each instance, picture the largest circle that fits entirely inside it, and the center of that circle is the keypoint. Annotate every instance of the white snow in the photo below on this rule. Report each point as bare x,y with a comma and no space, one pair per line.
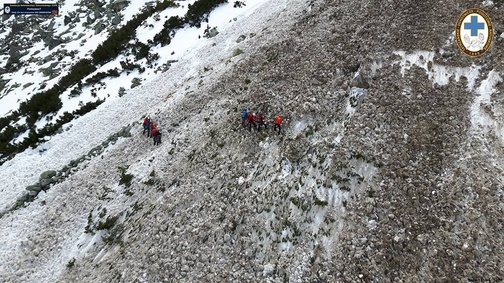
488,3
438,74
479,118
93,129
19,229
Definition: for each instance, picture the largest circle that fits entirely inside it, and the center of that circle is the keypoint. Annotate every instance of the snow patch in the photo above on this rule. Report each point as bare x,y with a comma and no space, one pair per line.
353,100
488,3
375,66
299,127
438,74
480,119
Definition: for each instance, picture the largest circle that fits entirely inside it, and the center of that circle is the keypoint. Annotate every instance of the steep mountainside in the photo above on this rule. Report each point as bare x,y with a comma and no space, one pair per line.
388,168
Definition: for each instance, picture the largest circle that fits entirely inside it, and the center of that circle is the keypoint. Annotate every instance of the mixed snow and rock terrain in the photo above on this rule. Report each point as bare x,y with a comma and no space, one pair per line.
389,167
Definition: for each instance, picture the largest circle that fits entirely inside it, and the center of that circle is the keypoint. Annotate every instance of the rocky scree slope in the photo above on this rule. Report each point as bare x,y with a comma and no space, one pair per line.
425,197
390,180
436,214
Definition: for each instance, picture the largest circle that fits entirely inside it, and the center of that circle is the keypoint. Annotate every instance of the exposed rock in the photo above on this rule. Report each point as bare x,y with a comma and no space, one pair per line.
389,184
50,70
67,20
99,27
45,182
48,174
360,82
97,13
210,32
135,82
17,27
122,91
53,42
116,20
35,188
118,5
241,38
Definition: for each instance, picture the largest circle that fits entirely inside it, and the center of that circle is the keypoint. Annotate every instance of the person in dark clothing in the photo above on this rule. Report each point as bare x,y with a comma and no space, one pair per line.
146,126
244,115
157,137
260,122
251,121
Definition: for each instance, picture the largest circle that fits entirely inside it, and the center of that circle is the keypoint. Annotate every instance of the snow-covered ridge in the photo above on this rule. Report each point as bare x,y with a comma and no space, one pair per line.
80,40
90,130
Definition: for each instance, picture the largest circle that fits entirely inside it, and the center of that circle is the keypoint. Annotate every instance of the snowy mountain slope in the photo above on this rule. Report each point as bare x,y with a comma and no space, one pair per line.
55,44
385,171
80,39
91,129
106,125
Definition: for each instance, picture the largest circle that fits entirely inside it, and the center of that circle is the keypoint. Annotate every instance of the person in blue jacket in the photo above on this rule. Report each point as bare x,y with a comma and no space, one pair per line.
244,115
146,126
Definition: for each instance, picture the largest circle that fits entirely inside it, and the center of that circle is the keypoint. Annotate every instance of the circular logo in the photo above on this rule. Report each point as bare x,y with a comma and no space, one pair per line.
474,32
7,9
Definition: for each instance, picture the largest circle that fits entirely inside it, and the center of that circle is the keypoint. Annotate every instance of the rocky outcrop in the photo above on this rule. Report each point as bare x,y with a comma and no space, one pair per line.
51,177
118,5
359,81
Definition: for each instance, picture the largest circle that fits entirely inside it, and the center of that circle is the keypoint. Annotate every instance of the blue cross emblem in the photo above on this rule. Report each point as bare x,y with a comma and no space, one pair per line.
474,26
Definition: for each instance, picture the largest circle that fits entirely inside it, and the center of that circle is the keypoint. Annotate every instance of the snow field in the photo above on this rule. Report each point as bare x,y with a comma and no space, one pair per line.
33,222
98,125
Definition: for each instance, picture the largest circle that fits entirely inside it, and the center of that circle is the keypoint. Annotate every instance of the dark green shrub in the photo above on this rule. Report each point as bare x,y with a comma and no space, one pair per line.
102,75
320,202
71,263
88,229
125,178
107,224
114,236
238,4
47,102
78,71
140,50
166,34
6,149
127,65
200,10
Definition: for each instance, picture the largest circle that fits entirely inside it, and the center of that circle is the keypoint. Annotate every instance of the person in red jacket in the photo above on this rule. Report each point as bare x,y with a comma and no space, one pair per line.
278,123
153,130
260,122
251,121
